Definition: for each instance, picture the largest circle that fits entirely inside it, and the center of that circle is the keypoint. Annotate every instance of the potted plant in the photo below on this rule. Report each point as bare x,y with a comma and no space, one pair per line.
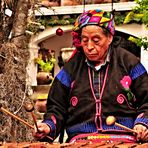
46,62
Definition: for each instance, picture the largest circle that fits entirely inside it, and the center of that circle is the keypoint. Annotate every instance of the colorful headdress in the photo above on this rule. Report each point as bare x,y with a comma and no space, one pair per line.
95,17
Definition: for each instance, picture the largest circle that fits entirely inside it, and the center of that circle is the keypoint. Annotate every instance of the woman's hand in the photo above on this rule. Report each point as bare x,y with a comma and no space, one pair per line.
142,132
44,131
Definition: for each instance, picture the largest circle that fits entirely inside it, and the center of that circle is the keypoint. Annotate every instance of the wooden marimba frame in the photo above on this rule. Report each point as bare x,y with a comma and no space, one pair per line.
73,145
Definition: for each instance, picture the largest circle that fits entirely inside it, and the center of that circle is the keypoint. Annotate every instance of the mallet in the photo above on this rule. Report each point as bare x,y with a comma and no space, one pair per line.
30,108
111,120
14,116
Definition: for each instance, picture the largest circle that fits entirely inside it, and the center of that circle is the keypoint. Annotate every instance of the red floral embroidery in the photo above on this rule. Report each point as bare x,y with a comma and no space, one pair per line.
72,84
141,115
120,98
53,119
126,82
74,101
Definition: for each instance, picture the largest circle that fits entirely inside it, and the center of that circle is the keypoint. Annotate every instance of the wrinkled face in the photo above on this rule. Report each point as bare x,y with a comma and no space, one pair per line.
95,43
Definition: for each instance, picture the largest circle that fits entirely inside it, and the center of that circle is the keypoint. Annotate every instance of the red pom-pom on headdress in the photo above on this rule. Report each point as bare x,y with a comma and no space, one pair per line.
76,39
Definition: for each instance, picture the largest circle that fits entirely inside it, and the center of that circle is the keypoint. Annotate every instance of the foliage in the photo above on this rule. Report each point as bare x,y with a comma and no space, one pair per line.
47,65
139,14
42,23
140,42
61,20
35,28
119,17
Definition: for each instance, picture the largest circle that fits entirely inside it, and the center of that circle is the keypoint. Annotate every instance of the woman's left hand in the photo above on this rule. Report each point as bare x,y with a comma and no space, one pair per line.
142,132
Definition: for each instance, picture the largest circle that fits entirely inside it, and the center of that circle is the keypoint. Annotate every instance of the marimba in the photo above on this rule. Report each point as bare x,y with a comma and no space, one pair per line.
73,145
83,142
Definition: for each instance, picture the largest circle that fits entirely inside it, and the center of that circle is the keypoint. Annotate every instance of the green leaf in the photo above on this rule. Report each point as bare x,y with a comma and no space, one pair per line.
129,17
130,96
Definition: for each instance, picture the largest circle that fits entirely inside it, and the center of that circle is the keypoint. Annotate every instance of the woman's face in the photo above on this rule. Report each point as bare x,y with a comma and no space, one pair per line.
95,43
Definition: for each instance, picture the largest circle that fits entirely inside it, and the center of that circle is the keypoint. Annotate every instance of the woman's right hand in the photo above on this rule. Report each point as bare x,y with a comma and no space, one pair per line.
44,130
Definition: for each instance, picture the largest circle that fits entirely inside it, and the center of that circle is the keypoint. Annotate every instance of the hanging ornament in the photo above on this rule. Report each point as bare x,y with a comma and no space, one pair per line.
59,32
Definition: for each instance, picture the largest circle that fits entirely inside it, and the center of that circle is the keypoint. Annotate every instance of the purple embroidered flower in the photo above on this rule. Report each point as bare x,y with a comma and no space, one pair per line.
126,82
74,101
120,98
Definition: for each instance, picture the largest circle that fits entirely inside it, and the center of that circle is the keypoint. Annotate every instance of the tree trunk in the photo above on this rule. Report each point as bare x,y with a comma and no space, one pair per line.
20,23
14,57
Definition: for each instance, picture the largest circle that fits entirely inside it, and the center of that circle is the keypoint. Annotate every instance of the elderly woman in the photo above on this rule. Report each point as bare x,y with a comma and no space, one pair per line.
100,79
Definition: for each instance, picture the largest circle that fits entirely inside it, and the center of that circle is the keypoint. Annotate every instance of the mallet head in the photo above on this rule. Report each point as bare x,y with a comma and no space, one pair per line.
110,120
29,107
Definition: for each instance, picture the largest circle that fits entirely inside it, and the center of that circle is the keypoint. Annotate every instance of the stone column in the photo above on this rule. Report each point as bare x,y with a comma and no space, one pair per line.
32,67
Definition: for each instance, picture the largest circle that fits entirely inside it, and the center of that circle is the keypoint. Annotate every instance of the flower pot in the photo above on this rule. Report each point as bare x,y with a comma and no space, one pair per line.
40,105
66,53
101,1
124,0
40,92
50,3
70,2
97,1
39,96
44,78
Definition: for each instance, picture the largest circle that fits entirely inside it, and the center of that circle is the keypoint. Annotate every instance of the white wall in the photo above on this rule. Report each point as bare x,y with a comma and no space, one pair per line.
56,43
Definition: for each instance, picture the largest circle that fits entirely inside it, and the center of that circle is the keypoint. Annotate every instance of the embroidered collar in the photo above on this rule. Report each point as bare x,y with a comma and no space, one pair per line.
98,67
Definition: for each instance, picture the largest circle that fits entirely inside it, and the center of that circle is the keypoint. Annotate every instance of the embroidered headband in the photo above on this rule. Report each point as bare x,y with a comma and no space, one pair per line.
95,17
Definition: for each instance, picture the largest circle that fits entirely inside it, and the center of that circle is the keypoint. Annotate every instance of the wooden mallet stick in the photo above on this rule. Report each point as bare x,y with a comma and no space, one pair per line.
14,116
18,118
111,120
30,108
